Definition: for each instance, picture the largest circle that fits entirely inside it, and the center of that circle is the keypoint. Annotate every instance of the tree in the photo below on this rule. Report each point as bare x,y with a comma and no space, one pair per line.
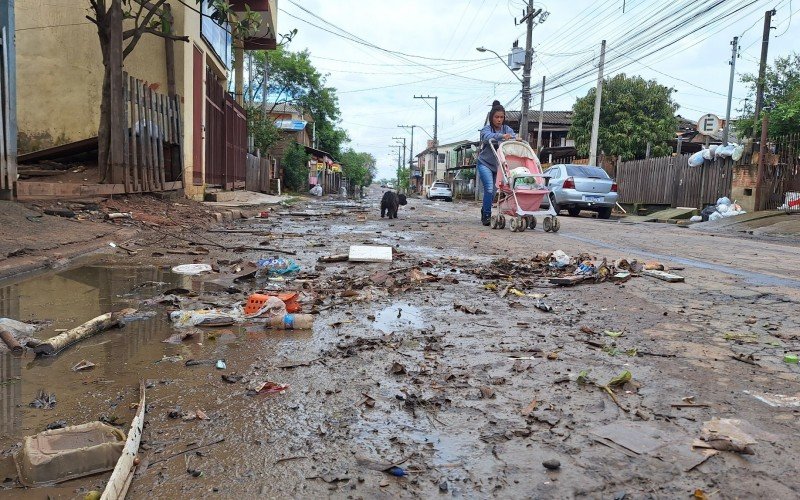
145,17
293,79
358,167
633,111
295,168
781,98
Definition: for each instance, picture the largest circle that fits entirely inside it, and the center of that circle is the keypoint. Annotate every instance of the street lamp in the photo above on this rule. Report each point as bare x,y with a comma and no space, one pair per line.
484,49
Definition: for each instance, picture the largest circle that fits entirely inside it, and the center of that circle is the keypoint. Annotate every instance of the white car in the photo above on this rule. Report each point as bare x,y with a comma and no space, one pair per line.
440,190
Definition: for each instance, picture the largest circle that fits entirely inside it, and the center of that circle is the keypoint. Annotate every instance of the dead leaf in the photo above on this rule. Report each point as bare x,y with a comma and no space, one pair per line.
529,409
621,379
486,392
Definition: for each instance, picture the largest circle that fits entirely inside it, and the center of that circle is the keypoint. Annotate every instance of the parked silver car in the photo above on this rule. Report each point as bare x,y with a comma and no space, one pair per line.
441,190
582,187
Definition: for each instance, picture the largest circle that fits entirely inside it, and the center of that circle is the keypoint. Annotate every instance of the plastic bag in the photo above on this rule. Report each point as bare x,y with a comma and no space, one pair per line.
316,190
724,201
277,266
17,327
738,151
708,154
559,259
185,319
695,218
725,151
696,159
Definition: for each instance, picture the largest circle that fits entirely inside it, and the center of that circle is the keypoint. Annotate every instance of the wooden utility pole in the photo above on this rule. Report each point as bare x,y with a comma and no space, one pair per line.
238,69
541,119
726,130
597,99
762,67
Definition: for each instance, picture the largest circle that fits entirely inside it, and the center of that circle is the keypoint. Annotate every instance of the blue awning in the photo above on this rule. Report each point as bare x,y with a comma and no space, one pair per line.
291,124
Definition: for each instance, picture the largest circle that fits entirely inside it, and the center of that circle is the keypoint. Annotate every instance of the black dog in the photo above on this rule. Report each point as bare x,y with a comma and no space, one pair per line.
390,202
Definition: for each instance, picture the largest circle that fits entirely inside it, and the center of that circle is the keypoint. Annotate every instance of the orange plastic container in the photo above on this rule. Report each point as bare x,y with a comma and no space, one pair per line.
257,300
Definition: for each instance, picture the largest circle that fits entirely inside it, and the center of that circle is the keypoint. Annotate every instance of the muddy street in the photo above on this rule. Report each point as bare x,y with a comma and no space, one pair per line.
457,369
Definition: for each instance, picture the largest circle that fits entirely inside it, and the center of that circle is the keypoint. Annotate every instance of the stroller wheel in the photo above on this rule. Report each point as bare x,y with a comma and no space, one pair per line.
514,226
522,224
501,220
532,223
547,224
493,223
556,225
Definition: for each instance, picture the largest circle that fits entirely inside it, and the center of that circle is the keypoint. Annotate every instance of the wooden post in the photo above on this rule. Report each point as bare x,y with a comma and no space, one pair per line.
135,117
161,138
126,165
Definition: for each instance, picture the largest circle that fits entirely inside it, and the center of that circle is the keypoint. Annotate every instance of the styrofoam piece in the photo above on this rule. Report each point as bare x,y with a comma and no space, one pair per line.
367,253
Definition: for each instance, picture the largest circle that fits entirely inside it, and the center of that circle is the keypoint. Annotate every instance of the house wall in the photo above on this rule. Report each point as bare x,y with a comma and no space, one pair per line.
60,73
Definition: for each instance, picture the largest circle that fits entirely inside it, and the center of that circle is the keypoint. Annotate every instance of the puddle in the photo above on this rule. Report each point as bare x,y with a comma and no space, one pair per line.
399,317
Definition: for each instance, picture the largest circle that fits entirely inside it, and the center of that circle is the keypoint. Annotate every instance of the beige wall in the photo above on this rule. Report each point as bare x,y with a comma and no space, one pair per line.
60,73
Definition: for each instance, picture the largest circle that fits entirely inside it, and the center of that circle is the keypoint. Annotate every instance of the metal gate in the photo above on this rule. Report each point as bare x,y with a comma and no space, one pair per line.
226,137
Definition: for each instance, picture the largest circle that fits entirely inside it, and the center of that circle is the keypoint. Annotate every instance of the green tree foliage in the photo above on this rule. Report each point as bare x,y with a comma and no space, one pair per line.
293,79
633,111
295,168
781,98
265,133
358,167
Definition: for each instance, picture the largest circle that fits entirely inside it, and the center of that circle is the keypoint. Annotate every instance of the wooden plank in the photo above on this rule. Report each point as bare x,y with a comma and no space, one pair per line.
147,137
161,124
664,276
179,135
126,120
134,142
368,253
143,149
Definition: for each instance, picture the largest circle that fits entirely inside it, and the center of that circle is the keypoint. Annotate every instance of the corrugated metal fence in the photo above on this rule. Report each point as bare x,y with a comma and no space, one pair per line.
671,181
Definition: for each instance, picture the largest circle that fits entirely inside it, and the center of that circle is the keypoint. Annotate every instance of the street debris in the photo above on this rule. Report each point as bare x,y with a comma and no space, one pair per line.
83,365
10,340
54,345
43,400
192,269
69,452
292,322
725,434
672,278
120,480
266,387
363,253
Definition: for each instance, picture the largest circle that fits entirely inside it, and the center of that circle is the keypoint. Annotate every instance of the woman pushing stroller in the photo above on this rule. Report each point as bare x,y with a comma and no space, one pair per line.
494,130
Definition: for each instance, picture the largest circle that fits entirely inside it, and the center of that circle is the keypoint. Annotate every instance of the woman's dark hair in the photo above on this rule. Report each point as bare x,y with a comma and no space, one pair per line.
496,109
496,106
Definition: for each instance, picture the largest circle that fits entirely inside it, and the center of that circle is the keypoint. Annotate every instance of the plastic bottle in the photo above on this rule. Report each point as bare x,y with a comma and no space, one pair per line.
292,322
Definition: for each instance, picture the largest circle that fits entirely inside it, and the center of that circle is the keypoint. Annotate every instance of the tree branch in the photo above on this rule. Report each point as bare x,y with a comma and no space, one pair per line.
142,27
180,38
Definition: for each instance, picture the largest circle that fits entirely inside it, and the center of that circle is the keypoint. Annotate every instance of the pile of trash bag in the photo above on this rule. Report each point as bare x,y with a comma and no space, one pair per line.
733,151
723,208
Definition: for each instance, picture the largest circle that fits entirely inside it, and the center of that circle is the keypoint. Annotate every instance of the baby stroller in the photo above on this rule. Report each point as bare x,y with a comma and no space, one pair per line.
521,187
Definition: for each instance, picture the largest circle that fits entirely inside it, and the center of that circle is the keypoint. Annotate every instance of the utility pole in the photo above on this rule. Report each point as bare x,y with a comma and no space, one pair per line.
726,130
9,146
541,119
410,154
597,99
404,145
526,70
762,67
435,116
264,85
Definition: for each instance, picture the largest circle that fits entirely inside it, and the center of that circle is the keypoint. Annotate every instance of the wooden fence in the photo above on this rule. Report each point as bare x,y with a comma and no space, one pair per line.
153,145
8,163
258,174
671,181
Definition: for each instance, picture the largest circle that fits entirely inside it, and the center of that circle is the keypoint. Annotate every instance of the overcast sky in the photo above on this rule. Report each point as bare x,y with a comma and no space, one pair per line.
397,50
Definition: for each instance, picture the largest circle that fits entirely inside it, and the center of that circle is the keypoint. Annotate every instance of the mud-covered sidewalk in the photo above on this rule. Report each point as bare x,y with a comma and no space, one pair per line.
441,373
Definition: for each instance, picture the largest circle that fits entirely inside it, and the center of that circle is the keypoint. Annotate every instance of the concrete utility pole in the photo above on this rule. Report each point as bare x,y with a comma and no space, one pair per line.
526,71
726,130
597,99
541,119
410,147
435,116
762,68
404,147
10,146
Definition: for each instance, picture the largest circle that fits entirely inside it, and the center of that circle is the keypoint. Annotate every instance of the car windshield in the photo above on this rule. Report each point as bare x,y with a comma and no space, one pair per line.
441,185
586,171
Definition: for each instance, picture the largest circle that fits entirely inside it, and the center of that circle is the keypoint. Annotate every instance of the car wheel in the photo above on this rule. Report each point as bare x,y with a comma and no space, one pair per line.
574,211
604,213
449,199
553,203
